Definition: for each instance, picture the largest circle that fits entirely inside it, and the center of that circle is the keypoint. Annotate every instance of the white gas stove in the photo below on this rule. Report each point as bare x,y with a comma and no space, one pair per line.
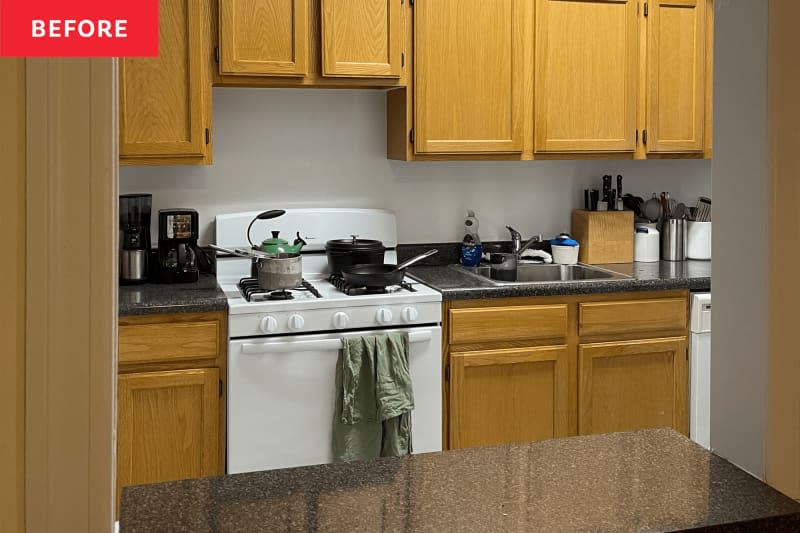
282,353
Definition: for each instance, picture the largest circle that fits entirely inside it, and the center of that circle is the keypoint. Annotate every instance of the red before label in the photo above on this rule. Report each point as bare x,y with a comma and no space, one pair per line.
79,28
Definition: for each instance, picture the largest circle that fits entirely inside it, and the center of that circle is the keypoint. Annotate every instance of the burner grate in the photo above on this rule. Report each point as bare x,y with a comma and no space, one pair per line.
252,292
338,281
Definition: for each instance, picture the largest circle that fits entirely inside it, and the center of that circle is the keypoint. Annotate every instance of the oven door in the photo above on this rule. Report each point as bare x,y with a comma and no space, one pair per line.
281,396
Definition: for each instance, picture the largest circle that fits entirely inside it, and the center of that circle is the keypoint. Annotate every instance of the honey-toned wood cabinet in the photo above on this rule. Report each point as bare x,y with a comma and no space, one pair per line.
171,401
362,39
676,75
586,75
263,37
532,368
633,385
468,76
165,101
508,395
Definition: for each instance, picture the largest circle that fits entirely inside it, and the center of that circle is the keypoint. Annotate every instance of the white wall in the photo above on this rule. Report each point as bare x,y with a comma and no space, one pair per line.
739,346
277,148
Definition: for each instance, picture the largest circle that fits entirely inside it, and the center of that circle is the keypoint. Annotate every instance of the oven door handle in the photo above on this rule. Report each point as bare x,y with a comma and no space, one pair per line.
323,345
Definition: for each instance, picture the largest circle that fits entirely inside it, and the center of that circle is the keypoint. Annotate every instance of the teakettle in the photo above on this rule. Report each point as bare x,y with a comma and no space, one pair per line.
276,245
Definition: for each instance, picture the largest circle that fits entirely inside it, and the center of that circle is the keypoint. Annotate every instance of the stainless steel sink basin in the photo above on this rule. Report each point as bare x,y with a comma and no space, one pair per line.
536,273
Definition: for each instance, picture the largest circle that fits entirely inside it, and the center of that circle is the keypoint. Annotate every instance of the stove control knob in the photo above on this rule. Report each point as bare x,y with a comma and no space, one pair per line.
269,324
384,316
296,322
410,314
340,320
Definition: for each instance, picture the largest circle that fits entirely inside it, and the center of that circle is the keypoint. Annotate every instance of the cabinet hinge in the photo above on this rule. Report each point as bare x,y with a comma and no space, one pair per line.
645,9
216,54
221,388
411,3
411,136
637,137
637,9
208,136
644,137
402,59
447,373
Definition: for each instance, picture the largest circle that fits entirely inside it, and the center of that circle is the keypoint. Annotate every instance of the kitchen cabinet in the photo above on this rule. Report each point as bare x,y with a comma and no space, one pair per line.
676,75
468,76
263,37
171,403
511,395
532,368
362,39
165,101
633,385
586,75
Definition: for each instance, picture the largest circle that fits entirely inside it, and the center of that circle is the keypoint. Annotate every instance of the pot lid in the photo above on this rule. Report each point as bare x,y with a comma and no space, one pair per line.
275,240
354,244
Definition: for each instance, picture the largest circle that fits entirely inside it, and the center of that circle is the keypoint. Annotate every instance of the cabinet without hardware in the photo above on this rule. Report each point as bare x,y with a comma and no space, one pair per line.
165,101
587,68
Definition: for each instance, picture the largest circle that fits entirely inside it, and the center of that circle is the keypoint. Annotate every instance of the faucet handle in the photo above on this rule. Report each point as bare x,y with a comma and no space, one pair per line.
515,235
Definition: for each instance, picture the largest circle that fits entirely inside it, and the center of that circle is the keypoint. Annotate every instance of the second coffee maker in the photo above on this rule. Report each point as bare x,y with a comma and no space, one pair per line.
177,245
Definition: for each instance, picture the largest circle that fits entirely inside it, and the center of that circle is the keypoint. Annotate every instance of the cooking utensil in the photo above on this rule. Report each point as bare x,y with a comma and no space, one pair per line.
380,276
276,245
274,213
594,198
343,253
652,209
281,272
619,189
606,187
703,209
680,211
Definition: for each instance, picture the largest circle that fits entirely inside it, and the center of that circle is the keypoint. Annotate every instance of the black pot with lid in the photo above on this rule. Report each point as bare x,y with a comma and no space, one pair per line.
343,253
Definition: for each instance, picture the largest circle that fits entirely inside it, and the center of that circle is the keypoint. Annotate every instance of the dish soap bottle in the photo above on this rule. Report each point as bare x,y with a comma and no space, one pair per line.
471,248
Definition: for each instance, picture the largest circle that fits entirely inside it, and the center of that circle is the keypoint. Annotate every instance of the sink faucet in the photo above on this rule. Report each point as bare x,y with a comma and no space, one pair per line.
516,241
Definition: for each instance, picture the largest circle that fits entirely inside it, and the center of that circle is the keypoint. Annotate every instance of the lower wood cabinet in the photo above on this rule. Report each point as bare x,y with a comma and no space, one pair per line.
170,397
632,385
512,395
526,369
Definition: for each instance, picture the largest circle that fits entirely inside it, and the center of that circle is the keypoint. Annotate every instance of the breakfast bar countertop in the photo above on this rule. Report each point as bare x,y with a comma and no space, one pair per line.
648,480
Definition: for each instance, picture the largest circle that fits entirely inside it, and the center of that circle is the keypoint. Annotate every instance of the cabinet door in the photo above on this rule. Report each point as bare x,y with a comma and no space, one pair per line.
676,66
506,396
633,385
263,37
468,76
164,101
362,39
586,68
168,426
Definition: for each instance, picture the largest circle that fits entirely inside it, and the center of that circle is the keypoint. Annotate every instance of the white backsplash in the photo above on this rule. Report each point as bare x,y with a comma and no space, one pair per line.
278,148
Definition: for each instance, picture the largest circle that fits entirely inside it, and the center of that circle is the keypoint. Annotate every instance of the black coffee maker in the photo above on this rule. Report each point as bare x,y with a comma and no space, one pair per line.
134,237
177,246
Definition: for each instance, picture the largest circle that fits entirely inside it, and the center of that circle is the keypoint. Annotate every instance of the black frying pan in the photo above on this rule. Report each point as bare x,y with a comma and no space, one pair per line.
380,276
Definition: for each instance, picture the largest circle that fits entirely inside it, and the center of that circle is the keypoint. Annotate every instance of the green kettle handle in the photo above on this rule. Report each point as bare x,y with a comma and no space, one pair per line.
275,213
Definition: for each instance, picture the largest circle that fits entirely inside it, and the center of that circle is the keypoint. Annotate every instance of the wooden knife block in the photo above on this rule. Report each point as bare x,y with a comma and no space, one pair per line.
604,236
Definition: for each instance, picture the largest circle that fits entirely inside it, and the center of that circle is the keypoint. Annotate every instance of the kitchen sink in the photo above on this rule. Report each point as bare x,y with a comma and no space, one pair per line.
538,273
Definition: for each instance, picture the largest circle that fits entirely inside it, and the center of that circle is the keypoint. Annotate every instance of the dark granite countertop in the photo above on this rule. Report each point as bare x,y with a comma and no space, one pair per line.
456,284
650,480
151,298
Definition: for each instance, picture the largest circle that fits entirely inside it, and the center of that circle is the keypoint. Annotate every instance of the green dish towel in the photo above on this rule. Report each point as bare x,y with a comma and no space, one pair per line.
374,398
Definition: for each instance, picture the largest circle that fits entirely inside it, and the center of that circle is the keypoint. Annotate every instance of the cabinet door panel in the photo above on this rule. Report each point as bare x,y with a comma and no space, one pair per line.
586,75
167,426
632,385
676,76
263,37
362,39
506,396
468,76
162,105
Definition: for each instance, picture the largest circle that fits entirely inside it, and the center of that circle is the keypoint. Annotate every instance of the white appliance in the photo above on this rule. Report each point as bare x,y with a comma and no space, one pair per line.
700,371
282,354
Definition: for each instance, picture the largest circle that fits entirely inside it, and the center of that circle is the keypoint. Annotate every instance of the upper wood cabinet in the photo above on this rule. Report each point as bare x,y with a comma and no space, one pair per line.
168,426
676,75
362,39
633,385
586,72
468,76
506,396
263,37
164,101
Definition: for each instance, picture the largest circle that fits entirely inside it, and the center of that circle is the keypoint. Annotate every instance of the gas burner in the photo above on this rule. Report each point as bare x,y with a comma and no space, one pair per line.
339,282
252,292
